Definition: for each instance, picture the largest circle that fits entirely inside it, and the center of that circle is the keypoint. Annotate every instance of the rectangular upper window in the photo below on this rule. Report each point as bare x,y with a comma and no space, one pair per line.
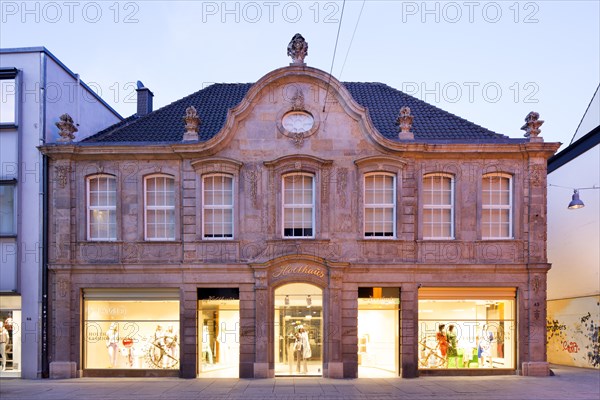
160,208
438,206
102,207
8,208
217,202
8,97
496,207
298,205
380,205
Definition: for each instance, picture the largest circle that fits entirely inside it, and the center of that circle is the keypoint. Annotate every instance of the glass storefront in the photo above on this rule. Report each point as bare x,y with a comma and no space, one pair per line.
467,328
378,332
218,332
131,329
298,330
10,336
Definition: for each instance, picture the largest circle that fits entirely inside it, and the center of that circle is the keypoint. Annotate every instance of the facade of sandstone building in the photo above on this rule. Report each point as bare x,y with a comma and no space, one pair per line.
210,237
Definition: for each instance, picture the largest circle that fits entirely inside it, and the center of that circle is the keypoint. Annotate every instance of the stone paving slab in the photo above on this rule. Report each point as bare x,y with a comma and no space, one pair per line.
568,383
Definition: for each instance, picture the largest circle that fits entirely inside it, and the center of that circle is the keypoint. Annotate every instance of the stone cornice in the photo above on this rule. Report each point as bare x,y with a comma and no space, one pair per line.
178,151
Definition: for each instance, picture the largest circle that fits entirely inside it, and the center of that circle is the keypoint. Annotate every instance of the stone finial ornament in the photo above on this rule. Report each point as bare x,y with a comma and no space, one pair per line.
66,128
192,124
405,121
297,49
532,127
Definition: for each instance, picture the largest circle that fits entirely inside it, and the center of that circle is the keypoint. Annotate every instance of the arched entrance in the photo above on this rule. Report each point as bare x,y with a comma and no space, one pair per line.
298,325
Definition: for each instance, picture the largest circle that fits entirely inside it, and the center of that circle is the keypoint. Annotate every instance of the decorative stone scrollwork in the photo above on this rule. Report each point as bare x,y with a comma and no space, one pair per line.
297,49
66,128
405,121
62,174
251,176
298,100
192,124
342,184
532,126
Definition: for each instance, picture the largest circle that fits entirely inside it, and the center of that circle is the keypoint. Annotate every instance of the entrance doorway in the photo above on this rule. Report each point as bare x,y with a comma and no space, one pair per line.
298,337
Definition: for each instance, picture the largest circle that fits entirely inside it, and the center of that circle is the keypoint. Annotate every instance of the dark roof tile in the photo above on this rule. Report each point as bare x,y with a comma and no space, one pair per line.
212,103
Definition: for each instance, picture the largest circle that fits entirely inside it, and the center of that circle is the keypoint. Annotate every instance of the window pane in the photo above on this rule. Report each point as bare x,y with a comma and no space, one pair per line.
438,206
102,208
8,90
218,206
298,205
7,209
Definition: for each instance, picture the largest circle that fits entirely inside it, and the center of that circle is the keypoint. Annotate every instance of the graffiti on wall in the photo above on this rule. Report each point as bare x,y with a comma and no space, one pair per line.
573,328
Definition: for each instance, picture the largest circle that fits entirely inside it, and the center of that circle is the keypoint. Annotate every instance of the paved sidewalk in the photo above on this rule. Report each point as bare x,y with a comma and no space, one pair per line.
568,383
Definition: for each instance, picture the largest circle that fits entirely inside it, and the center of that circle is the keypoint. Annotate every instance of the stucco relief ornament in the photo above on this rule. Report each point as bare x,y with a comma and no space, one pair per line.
405,121
298,100
66,128
192,124
62,174
297,49
532,126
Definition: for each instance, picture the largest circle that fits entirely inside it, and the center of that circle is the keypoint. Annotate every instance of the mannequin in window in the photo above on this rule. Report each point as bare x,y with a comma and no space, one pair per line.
484,349
452,344
112,343
171,344
303,351
3,342
442,343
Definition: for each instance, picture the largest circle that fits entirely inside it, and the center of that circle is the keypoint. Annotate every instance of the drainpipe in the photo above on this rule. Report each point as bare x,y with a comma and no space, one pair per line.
44,233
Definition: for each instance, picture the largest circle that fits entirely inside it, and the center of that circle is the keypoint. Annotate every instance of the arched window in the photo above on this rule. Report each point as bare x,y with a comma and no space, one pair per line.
496,206
438,206
217,204
380,205
298,205
159,207
102,207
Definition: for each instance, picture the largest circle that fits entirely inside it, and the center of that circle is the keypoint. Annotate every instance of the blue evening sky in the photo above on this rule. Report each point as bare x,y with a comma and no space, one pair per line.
490,62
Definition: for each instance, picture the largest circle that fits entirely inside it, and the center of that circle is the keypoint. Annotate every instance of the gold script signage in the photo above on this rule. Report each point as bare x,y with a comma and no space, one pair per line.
285,270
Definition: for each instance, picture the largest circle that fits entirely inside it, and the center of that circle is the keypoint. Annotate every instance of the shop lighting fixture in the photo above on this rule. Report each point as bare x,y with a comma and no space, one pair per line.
575,200
287,300
308,301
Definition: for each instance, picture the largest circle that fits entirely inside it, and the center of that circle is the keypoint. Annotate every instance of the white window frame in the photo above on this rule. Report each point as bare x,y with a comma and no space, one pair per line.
90,208
384,206
508,206
427,206
292,206
164,208
206,207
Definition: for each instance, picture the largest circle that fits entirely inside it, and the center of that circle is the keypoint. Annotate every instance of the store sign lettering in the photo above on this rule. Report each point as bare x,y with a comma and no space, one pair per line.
108,310
298,269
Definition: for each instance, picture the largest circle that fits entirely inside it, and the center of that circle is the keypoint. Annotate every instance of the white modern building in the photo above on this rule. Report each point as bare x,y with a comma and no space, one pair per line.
573,237
36,89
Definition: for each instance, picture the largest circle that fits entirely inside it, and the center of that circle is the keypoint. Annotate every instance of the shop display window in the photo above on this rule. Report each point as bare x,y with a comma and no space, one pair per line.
131,334
378,332
219,332
466,333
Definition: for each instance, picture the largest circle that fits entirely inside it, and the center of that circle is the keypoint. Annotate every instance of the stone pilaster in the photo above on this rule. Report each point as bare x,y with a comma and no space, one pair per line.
261,363
349,329
247,331
535,363
335,365
409,332
61,334
189,332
